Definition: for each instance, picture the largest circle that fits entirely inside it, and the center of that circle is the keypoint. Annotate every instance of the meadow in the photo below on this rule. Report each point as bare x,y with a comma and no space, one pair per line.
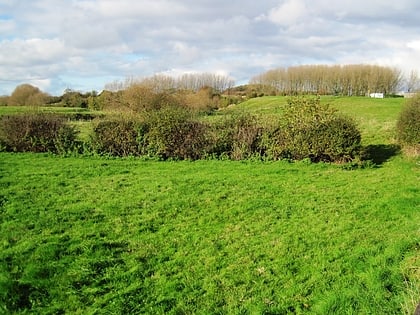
95,235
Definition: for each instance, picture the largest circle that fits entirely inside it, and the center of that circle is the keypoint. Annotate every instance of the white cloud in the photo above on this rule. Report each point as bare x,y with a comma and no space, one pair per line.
414,45
83,43
34,51
134,9
288,13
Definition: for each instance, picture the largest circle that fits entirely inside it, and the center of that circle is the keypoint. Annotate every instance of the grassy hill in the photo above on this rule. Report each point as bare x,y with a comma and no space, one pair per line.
376,117
90,235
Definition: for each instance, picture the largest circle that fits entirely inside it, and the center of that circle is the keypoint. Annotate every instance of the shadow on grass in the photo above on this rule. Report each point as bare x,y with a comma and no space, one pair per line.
380,153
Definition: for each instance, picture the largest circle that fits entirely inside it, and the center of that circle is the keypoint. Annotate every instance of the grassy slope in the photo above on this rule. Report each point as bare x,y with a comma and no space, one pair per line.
96,236
376,117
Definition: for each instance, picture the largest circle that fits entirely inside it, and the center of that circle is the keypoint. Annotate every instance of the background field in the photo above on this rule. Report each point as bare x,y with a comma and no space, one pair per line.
126,236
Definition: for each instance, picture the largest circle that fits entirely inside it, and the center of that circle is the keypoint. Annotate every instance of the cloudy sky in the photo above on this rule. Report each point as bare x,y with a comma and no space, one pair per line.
84,44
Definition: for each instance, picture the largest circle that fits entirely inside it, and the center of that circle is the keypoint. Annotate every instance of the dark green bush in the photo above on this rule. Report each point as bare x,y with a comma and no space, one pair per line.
37,132
172,133
408,123
237,137
117,137
309,129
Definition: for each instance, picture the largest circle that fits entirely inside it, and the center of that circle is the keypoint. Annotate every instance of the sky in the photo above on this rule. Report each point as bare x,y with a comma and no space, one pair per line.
84,44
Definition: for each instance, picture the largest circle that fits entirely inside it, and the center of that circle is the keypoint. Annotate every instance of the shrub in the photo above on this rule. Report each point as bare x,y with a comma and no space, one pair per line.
408,124
237,137
37,132
118,137
309,129
172,133
205,100
142,98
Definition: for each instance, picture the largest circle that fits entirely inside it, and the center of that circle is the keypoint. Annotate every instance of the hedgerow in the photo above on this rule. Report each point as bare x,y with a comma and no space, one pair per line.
237,136
37,132
173,133
306,129
116,137
408,124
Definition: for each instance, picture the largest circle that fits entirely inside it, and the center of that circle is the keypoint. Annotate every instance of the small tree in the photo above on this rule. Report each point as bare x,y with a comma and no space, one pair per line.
309,129
26,94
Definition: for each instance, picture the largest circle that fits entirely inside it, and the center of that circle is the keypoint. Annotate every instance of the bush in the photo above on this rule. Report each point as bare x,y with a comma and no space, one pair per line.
117,137
309,129
142,98
408,124
172,133
37,132
237,137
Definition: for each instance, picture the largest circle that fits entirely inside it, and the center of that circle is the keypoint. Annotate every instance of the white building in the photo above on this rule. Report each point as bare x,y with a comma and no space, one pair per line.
376,95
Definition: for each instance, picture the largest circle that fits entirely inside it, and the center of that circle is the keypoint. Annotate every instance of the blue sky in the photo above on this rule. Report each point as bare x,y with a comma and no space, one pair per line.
84,44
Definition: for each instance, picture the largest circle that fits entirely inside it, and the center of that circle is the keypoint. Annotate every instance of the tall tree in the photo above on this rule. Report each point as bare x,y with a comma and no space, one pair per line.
413,81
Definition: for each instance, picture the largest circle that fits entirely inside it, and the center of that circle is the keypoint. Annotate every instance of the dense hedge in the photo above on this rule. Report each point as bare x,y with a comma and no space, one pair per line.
37,132
306,129
236,137
408,124
309,129
118,137
173,133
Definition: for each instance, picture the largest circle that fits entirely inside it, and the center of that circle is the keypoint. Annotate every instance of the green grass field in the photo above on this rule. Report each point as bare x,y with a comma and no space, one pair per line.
89,235
376,117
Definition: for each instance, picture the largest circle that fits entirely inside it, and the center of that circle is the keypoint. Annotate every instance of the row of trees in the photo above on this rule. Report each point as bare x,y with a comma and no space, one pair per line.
187,82
29,95
209,91
348,80
198,91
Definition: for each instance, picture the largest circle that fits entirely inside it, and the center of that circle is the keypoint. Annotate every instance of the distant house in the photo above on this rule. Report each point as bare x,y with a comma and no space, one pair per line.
376,95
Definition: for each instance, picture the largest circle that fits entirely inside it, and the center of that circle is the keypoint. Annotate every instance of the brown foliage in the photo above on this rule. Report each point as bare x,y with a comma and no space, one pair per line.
28,95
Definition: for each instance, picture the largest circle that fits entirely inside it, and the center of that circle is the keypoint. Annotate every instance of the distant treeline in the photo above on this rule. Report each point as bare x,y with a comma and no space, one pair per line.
210,91
347,80
201,91
186,82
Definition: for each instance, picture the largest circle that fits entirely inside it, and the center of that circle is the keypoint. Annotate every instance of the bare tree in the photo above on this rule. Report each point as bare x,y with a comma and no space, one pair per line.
413,81
322,79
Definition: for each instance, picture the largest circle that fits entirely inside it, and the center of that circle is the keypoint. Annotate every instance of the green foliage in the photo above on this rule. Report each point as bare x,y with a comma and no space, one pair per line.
72,98
37,132
309,129
117,137
237,136
408,124
173,133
